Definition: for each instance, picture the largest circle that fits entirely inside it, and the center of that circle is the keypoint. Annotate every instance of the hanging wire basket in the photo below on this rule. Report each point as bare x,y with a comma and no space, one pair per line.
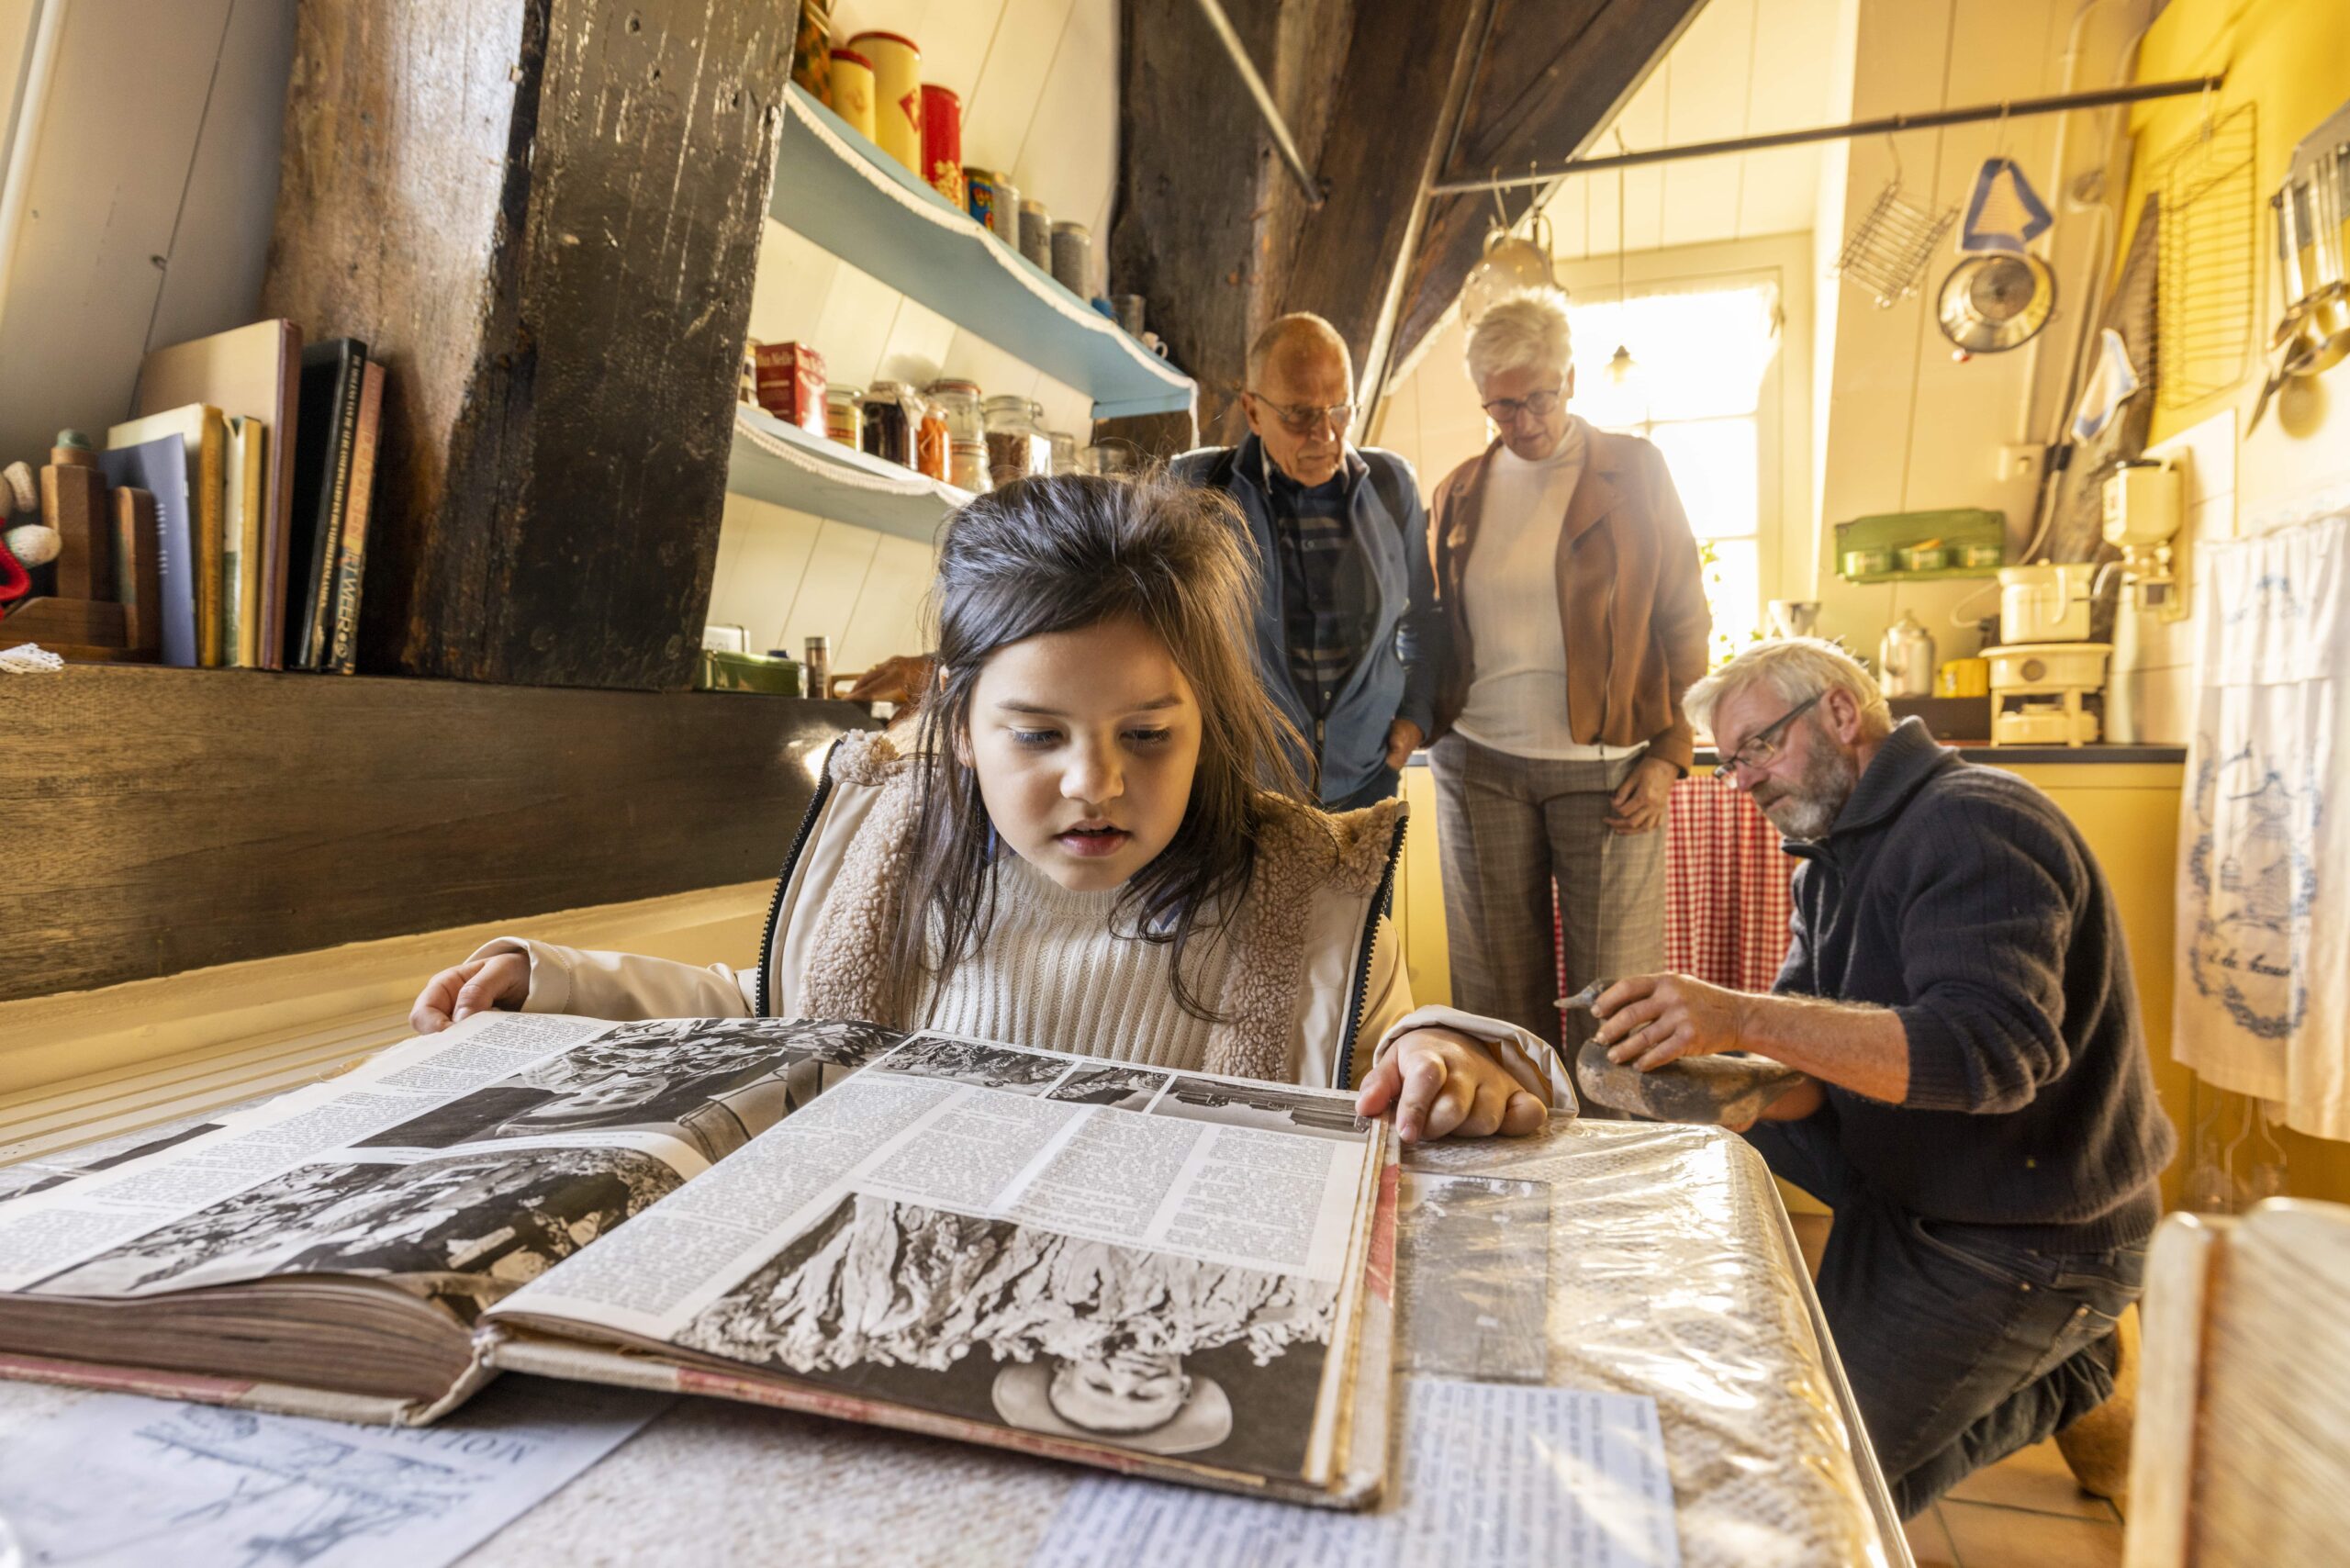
1886,257
2209,255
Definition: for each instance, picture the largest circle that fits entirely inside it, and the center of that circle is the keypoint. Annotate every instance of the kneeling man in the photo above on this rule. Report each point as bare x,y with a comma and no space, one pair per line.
1983,1120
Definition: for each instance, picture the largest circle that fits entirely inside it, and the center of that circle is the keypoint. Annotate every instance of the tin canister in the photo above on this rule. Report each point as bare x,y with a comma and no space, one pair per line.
1005,218
812,48
1072,257
853,91
1036,234
844,415
979,194
897,95
942,140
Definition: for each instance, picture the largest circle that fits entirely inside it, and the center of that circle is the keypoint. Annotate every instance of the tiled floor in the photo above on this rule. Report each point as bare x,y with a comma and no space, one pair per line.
2024,1512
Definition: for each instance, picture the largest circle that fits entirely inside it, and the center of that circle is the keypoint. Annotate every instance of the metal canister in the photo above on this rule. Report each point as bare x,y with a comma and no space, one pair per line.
1072,257
844,415
853,91
1130,310
897,95
812,48
980,187
942,140
816,667
1036,234
1005,218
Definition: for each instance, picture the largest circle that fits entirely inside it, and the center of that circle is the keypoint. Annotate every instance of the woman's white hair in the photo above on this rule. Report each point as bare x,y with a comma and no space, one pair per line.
1523,331
1796,669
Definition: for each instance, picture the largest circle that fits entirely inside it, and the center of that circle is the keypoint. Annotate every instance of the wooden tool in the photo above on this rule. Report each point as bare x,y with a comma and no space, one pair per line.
136,559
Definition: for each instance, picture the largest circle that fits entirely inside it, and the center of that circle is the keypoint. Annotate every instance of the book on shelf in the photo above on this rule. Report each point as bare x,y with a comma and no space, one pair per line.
203,440
325,426
252,373
248,507
350,546
1155,1272
160,467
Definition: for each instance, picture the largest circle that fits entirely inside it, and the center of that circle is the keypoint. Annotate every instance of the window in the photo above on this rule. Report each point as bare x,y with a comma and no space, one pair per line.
1701,358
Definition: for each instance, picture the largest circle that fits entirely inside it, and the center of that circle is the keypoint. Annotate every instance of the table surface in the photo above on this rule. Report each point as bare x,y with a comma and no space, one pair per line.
1672,1273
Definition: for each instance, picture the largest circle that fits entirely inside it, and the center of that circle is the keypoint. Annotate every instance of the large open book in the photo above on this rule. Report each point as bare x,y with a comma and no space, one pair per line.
1155,1272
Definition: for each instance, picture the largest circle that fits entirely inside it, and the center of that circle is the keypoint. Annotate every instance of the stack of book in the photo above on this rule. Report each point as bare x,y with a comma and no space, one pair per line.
261,454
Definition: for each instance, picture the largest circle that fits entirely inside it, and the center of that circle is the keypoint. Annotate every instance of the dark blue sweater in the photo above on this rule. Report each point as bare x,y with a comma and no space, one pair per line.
1961,898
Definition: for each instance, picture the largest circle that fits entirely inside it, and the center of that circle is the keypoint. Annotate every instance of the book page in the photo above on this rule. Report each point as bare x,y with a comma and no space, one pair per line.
1085,1249
462,1163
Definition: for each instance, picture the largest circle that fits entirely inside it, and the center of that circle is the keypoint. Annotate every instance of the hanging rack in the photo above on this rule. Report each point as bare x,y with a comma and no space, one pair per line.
2061,103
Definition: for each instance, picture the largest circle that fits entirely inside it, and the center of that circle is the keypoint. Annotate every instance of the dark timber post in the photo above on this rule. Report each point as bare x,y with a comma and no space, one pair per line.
544,215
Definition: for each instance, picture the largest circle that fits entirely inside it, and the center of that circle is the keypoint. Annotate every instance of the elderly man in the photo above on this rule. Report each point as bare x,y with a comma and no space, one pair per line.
1571,582
1983,1120
1348,635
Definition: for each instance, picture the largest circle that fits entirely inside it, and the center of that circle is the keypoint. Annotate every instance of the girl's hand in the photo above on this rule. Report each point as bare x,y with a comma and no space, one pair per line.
502,980
1443,1083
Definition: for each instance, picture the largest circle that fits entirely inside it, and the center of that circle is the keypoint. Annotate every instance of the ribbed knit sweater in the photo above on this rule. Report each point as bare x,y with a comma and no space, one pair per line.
1054,973
1966,901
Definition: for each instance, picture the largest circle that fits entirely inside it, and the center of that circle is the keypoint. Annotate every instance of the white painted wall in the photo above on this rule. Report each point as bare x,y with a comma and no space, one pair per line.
1038,79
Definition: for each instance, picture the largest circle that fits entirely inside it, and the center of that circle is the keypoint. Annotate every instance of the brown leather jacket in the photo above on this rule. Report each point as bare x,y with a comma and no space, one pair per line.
1631,599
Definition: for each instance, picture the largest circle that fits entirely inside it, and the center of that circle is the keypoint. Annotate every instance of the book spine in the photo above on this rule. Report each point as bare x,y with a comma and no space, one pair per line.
208,517
350,566
319,595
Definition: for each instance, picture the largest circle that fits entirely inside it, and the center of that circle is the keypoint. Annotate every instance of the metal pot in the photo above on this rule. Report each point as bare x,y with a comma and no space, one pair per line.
1906,658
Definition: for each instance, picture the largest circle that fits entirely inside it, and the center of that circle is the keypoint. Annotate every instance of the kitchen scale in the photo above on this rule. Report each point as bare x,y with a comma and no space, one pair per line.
2036,693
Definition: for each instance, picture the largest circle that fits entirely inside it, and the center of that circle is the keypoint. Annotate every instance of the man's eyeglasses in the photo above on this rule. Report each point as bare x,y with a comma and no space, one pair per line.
1505,410
1764,744
1304,418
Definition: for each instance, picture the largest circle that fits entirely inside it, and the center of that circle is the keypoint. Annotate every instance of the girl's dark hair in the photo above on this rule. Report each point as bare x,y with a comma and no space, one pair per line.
1044,555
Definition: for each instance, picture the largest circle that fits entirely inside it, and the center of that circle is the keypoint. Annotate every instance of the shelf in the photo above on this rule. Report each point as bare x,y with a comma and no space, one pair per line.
783,463
841,191
1937,575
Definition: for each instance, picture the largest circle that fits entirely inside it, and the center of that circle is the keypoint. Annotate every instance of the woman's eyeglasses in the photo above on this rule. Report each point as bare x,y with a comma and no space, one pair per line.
1505,410
1304,418
1765,743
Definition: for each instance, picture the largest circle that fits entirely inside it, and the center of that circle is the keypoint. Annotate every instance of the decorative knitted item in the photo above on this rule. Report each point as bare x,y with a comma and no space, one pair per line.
1299,852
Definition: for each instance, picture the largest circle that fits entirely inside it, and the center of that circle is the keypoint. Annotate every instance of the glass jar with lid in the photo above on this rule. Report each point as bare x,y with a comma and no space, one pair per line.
959,401
966,466
1063,446
889,423
931,440
844,415
1016,447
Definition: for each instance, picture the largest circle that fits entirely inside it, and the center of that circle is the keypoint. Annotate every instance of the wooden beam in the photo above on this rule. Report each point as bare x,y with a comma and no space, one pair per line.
1554,74
545,216
186,818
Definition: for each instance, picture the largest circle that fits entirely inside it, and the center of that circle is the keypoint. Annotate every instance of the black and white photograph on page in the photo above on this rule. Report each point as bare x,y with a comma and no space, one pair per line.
975,1061
1270,1107
1113,1084
470,1227
1014,1326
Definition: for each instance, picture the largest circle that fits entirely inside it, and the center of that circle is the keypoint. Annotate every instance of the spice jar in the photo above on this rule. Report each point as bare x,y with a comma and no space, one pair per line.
966,466
959,401
844,415
1036,232
931,440
889,428
1072,257
1016,448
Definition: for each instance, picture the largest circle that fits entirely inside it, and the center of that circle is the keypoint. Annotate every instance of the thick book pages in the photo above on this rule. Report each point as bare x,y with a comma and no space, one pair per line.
203,440
247,506
333,374
351,551
1154,1271
251,373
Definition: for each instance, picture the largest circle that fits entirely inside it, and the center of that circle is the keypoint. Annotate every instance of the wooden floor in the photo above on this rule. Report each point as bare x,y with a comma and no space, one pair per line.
2024,1512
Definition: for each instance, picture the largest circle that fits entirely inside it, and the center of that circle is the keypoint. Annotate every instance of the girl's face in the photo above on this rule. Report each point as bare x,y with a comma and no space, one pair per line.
1085,743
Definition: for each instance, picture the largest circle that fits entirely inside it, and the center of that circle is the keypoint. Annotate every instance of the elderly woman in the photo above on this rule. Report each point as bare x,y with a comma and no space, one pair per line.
1570,577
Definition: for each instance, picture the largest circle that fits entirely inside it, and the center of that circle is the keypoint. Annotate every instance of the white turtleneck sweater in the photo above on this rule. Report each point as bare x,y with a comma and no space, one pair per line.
1054,973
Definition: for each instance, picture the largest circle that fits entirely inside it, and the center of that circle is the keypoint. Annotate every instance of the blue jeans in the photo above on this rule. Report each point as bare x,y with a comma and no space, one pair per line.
1381,787
1961,1345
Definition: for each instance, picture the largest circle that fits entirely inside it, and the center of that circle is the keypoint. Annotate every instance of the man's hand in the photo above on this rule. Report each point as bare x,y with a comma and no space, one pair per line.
1649,1020
502,980
1638,805
1443,1083
1404,738
902,679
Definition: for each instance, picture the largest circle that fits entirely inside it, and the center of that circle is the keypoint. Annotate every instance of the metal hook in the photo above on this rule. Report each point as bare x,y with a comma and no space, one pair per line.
1892,149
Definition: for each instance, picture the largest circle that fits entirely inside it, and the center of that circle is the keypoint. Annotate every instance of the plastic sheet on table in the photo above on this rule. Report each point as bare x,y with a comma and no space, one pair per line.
1473,1275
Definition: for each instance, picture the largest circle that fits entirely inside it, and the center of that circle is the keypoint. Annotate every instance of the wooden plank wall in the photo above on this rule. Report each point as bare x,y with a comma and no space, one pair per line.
169,820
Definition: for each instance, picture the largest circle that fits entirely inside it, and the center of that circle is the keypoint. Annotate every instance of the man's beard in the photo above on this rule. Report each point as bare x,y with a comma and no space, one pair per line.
1808,808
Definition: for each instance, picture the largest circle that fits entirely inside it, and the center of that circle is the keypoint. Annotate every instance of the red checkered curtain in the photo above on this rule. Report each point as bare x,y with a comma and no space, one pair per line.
1725,882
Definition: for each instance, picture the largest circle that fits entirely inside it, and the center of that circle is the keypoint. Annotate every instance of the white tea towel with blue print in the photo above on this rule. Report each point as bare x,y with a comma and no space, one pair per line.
2263,875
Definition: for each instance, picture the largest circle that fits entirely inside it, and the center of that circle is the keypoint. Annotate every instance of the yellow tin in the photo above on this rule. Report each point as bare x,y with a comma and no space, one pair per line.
897,95
852,97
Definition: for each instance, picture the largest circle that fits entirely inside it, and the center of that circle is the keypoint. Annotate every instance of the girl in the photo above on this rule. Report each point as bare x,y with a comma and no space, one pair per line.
1074,851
